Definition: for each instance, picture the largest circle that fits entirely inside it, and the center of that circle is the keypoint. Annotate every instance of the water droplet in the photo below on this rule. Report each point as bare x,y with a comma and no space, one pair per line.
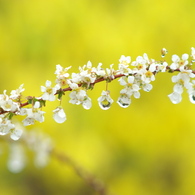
124,102
163,52
192,99
105,104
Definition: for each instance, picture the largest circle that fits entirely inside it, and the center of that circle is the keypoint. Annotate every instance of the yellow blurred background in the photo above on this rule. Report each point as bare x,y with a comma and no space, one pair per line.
145,149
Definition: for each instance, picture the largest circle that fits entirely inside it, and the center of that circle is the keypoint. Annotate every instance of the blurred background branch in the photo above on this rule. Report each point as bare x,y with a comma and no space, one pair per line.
90,179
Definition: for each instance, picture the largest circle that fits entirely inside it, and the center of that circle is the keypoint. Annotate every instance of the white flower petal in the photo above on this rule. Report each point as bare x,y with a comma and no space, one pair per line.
131,79
185,56
152,67
48,83
147,87
173,66
136,94
178,88
175,58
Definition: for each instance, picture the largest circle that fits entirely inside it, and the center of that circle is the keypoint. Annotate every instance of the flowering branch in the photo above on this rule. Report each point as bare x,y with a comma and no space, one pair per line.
133,76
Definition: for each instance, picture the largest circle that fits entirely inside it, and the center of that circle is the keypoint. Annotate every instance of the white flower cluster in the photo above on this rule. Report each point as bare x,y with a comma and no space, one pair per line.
10,105
138,77
133,76
183,78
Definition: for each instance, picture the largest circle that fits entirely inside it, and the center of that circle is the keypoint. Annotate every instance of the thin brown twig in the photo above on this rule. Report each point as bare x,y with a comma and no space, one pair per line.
64,90
92,84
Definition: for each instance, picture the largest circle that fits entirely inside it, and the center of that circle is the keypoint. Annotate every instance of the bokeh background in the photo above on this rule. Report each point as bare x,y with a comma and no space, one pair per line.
145,149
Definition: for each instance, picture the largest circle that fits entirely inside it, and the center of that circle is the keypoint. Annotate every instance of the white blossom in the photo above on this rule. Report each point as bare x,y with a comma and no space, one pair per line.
124,65
110,72
153,67
124,60
4,96
87,77
86,74
75,78
62,72
62,75
5,126
179,63
79,96
17,93
9,105
162,67
16,132
100,71
141,63
49,92
182,80
73,85
147,76
33,114
131,86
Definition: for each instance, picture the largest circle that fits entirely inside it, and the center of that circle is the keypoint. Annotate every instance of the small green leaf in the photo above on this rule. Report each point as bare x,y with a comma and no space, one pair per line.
10,115
60,94
42,103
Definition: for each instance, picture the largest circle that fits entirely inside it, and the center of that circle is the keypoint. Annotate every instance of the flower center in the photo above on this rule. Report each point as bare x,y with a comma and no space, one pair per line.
181,62
181,82
49,90
149,74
